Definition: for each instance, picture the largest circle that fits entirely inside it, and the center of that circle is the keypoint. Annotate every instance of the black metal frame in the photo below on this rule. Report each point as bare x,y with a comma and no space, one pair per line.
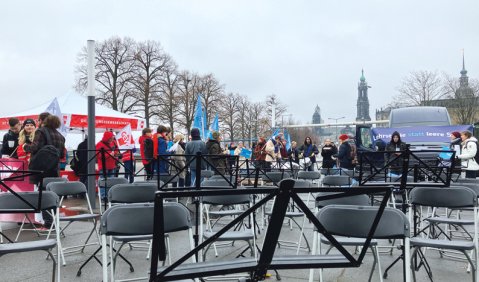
411,163
265,262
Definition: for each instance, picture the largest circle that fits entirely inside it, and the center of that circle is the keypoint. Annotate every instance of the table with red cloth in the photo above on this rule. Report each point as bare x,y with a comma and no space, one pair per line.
9,166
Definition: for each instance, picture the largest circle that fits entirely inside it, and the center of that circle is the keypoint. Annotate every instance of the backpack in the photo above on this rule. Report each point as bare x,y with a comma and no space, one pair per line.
47,157
353,154
476,157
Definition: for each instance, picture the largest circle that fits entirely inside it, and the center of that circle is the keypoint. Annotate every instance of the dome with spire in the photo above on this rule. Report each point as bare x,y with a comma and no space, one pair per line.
362,76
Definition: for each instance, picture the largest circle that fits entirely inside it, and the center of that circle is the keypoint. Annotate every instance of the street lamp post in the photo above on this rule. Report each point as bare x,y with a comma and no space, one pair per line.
336,121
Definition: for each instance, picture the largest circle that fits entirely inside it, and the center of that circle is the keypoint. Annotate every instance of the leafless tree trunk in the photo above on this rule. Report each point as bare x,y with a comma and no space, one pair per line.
151,64
169,109
114,73
188,96
211,91
419,87
229,111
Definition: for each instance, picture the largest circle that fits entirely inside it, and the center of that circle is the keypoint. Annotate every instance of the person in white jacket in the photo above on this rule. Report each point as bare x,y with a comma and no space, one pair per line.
469,149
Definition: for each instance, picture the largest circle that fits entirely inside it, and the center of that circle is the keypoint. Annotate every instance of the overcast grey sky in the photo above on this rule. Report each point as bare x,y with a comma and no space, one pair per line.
305,52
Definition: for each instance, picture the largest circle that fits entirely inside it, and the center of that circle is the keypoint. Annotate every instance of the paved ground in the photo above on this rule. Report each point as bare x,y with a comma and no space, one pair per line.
34,266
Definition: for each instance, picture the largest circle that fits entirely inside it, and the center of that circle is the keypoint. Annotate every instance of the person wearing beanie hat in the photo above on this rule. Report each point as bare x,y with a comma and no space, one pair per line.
344,156
195,134
343,137
30,122
26,136
194,146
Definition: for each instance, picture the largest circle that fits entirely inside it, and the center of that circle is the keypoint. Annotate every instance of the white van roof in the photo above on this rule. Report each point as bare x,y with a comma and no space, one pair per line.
419,116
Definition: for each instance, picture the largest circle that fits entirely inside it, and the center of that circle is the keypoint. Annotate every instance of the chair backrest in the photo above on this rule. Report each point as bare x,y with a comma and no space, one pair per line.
337,180
66,188
301,183
166,178
329,171
124,219
215,183
456,197
357,200
216,177
473,186
9,202
226,200
111,181
276,176
133,193
149,182
47,180
356,221
207,173
311,175
467,180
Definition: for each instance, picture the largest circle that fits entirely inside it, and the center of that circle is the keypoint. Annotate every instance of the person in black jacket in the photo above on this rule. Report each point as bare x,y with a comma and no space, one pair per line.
327,152
309,150
10,139
395,145
81,155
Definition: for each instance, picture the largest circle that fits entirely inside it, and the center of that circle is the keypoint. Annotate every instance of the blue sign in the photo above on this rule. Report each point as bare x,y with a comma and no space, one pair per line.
419,133
245,153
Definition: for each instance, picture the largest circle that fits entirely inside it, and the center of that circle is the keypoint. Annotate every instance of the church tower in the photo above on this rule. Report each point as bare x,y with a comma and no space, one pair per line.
317,119
464,91
363,101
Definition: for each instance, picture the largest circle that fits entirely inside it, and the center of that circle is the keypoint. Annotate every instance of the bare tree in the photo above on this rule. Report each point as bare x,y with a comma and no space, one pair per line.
114,73
419,87
229,112
464,99
243,115
210,90
169,109
151,63
188,96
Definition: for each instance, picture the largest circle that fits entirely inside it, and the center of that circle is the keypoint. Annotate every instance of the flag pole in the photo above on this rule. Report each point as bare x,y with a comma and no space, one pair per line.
91,121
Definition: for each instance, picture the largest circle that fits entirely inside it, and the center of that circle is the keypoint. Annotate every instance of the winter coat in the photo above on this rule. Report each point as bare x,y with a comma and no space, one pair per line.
309,151
294,154
180,162
219,162
160,146
469,149
327,153
271,155
259,152
111,155
82,156
6,149
192,148
147,150
344,156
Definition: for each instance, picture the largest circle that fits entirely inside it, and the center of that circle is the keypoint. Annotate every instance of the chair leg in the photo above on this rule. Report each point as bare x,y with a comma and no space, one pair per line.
414,252
313,252
104,255
471,262
54,265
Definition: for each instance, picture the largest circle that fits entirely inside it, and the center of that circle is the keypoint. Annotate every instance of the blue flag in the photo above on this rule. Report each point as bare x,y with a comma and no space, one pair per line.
198,120
215,125
288,139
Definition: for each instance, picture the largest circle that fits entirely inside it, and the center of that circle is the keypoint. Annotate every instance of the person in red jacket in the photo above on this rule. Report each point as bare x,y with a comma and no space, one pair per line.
146,151
107,155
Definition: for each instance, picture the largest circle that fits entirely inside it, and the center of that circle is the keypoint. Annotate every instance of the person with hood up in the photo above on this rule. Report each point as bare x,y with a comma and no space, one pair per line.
216,158
194,146
395,145
468,155
106,157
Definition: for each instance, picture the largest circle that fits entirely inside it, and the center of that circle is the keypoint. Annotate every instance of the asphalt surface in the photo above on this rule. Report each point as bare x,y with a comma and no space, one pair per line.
33,266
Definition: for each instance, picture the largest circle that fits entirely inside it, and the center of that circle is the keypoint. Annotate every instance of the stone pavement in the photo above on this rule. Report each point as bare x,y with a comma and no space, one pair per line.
34,266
